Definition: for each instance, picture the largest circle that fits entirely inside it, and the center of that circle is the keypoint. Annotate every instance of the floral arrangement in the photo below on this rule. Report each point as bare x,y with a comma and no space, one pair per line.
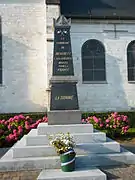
62,142
115,124
15,128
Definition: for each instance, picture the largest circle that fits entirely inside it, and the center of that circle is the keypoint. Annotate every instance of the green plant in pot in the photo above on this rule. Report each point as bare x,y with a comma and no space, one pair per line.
64,146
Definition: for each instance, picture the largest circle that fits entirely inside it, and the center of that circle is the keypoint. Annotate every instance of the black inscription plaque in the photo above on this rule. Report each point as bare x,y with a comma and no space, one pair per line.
63,93
64,96
62,56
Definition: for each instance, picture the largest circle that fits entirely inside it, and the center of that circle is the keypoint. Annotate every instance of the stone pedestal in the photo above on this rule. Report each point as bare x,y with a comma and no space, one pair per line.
59,117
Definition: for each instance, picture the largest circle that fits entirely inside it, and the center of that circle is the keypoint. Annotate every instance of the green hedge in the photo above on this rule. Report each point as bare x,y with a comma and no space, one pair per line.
39,115
33,115
131,116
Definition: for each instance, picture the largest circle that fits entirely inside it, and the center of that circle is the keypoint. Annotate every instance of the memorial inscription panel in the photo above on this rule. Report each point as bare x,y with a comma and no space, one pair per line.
64,96
63,62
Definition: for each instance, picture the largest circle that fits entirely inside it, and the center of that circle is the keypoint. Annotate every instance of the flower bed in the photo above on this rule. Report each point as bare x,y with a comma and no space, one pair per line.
15,128
114,125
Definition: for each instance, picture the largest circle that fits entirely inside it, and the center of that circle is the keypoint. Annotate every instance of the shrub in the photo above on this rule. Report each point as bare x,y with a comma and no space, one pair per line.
114,125
102,115
15,128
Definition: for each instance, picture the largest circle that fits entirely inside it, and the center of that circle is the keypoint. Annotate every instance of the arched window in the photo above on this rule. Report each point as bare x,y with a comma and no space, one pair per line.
0,51
93,61
131,61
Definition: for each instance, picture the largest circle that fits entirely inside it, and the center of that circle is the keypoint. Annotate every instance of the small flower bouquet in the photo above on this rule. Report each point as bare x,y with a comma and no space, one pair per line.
64,145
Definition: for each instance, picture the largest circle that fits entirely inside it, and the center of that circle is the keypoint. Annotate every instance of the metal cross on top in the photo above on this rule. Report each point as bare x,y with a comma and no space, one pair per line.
115,31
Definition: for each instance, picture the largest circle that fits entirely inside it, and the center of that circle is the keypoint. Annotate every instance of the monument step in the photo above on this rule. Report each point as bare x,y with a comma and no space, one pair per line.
81,149
45,129
78,174
8,163
33,139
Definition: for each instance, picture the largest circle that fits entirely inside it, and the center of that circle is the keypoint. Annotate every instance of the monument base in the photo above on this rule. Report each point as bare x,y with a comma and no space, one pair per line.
61,117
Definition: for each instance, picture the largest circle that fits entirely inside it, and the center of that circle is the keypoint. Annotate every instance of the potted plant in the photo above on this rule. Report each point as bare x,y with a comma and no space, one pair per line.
64,146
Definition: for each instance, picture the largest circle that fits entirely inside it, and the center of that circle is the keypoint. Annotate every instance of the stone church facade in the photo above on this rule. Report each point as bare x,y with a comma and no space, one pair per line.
103,55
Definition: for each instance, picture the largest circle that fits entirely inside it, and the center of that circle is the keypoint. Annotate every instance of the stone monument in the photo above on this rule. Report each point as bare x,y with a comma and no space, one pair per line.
64,108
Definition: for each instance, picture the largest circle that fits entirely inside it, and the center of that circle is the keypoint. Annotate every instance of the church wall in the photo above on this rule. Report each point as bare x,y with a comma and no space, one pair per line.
24,56
116,94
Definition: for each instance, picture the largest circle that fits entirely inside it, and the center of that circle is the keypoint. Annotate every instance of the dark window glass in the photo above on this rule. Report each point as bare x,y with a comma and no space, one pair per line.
131,61
99,75
93,61
88,75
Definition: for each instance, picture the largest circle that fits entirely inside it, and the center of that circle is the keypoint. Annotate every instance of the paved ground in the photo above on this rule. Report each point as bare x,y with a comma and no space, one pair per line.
22,175
113,173
120,173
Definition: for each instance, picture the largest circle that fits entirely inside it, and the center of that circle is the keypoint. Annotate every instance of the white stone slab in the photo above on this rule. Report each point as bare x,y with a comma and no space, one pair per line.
33,139
45,129
7,163
81,149
79,174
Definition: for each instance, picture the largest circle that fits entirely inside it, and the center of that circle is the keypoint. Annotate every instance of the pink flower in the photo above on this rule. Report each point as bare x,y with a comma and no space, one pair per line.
83,121
40,120
33,125
15,138
3,121
107,125
30,120
8,138
14,131
114,114
11,136
20,127
119,118
27,117
15,134
16,117
101,125
125,131
125,118
127,127
114,126
86,120
9,127
21,116
95,119
107,121
10,120
37,123
26,123
27,126
20,131
45,119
